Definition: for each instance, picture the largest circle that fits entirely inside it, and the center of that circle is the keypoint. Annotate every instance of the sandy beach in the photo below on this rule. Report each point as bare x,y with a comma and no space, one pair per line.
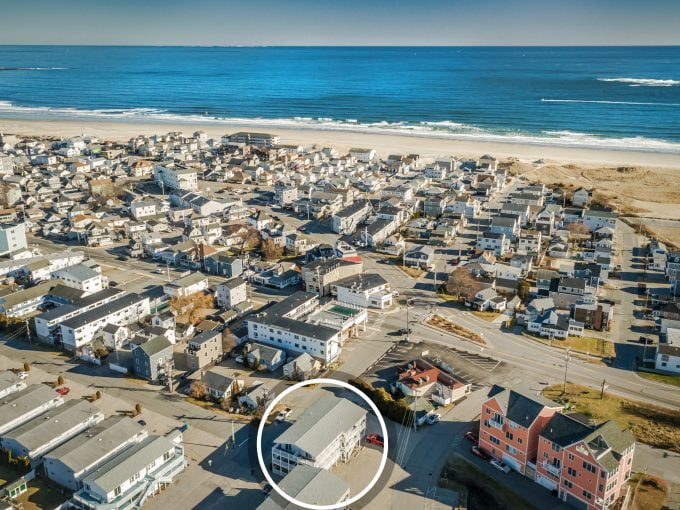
636,183
383,143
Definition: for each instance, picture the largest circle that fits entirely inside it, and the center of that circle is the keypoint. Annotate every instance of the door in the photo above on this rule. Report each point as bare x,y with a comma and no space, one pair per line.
512,462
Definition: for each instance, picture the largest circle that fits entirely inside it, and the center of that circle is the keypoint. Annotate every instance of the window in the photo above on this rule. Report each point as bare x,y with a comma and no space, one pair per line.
571,471
587,494
571,456
555,447
494,440
567,483
520,440
116,491
589,467
509,435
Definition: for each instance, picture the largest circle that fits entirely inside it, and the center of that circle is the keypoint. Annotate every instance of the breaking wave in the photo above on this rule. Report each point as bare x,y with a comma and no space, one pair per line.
643,82
428,129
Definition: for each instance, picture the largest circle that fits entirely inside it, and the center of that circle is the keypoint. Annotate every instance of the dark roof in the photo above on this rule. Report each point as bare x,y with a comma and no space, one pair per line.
519,407
101,311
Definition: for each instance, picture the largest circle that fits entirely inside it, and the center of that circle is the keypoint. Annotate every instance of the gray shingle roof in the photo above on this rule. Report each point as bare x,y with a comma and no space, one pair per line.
310,485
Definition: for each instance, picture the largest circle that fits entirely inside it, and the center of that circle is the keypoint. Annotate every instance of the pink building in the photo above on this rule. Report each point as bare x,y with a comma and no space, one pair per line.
510,424
587,465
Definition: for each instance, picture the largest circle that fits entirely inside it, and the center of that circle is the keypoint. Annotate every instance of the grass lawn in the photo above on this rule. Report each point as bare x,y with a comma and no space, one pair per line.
650,492
443,324
663,378
413,272
40,496
652,425
595,346
483,491
487,316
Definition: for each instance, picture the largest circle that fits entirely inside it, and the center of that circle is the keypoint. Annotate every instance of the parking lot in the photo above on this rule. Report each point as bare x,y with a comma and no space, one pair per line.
477,369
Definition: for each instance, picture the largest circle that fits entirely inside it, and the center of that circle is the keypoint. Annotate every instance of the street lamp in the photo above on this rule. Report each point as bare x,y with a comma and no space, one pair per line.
408,323
566,367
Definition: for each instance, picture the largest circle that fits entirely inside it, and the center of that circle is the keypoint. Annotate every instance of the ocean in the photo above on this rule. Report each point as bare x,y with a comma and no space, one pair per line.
614,97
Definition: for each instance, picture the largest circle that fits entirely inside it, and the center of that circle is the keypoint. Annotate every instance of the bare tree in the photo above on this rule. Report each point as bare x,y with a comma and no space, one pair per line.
461,282
250,238
198,390
271,250
578,231
228,340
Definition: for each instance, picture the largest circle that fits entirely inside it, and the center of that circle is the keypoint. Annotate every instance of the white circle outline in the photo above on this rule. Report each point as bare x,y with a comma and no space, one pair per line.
329,382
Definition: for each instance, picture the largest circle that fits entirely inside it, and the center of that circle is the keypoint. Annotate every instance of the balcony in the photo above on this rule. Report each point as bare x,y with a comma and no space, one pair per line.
552,469
496,424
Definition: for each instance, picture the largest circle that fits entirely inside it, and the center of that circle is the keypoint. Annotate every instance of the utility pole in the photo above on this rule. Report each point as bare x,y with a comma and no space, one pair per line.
168,370
566,368
602,389
408,322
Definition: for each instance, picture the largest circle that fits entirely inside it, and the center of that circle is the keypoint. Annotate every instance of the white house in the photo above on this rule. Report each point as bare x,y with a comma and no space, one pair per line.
10,383
325,434
22,406
367,290
12,237
47,431
87,278
175,178
127,480
668,355
232,292
79,331
186,286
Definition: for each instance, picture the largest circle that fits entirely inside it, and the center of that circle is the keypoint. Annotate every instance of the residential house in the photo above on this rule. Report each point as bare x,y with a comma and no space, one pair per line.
151,359
302,368
421,256
510,423
203,350
325,434
264,357
222,383
130,477
232,292
588,465
420,378
366,290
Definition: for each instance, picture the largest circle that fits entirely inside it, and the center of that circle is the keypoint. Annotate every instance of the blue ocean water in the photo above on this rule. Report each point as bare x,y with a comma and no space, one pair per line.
626,97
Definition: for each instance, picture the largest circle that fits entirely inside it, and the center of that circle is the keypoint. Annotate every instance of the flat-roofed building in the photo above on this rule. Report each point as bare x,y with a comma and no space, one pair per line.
70,462
310,485
126,480
81,329
24,405
326,433
47,431
10,383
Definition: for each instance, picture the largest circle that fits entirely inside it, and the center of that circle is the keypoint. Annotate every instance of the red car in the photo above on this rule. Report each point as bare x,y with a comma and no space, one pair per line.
471,436
476,450
63,391
375,439
455,262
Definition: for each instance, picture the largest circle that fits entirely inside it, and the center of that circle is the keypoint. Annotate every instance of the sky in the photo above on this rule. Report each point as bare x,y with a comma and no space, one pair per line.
340,22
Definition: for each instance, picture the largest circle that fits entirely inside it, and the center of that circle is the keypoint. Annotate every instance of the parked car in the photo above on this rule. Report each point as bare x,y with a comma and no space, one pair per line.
121,257
433,418
63,391
142,423
266,489
375,439
455,261
471,436
284,414
22,375
501,466
646,340
477,451
404,331
239,359
302,228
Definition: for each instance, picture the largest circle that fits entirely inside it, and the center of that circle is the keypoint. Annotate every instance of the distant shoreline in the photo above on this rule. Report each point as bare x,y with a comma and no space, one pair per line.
384,143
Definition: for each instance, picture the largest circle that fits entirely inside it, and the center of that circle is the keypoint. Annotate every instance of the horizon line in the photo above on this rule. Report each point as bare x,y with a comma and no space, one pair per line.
650,45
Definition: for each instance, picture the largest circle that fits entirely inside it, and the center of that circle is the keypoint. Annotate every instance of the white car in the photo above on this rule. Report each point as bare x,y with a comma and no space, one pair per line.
284,414
239,359
395,293
500,466
431,419
22,375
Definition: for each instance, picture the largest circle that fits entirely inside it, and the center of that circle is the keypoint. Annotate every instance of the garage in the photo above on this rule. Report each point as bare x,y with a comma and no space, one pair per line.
546,482
512,462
